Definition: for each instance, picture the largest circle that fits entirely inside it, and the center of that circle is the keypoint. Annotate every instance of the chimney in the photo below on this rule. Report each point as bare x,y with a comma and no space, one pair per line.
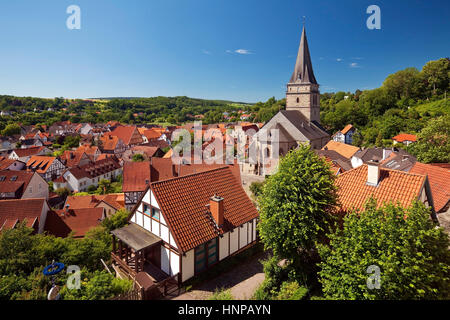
216,208
373,173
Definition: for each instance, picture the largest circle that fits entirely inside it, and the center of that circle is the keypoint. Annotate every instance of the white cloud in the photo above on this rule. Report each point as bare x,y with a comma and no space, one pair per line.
354,65
206,52
243,51
339,59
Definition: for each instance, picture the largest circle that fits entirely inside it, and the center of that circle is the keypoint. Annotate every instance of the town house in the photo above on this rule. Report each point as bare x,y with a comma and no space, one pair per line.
186,225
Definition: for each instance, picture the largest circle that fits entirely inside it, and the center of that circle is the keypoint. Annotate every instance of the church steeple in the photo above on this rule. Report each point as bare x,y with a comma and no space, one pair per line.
303,90
303,71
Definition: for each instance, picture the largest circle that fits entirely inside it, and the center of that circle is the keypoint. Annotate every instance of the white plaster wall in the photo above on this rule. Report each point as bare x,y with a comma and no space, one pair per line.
172,241
243,235
147,222
223,246
174,263
165,233
37,188
234,245
138,219
188,265
155,228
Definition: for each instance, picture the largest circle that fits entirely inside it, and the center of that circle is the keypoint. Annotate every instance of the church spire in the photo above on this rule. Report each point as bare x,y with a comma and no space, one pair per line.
303,72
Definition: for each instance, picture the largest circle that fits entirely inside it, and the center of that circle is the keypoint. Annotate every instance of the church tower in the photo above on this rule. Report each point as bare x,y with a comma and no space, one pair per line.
303,90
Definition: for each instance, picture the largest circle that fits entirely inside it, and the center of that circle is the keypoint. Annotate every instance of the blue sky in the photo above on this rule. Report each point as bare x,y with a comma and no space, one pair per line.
241,50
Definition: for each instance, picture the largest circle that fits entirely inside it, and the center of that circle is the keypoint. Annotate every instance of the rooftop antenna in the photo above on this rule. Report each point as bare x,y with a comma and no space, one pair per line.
304,20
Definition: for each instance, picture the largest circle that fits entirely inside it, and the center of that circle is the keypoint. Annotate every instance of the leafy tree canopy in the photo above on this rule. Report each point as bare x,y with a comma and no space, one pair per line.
405,244
296,203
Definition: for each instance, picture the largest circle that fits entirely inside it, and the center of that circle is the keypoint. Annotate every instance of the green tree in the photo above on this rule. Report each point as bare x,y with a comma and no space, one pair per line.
433,143
410,252
11,129
437,75
256,188
138,157
104,187
402,84
116,221
296,204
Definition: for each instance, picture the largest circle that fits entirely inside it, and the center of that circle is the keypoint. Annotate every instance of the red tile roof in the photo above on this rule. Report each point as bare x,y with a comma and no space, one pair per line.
441,165
28,151
439,179
394,186
61,222
347,129
149,151
92,201
19,210
128,134
109,142
40,163
73,158
96,168
5,163
135,174
152,134
12,181
183,202
405,137
89,150
343,149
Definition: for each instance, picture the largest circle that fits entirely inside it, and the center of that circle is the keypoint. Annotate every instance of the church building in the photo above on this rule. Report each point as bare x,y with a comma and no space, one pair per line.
300,122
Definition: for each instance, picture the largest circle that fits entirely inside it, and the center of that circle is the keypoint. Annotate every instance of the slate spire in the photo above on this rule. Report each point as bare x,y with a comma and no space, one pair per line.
303,71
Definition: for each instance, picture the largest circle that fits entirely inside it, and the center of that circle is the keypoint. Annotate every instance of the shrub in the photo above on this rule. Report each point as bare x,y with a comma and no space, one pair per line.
291,291
221,294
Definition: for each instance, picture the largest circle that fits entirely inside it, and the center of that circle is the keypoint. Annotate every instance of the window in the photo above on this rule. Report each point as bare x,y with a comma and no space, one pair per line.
14,178
155,214
146,209
2,178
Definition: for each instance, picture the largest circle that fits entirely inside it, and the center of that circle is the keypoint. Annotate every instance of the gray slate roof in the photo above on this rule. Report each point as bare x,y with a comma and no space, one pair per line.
303,72
311,130
342,161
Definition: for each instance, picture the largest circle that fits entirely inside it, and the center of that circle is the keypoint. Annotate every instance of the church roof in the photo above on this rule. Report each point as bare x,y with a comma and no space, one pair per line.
303,71
311,130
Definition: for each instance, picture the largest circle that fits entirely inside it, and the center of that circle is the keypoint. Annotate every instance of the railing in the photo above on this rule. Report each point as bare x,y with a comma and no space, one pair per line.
122,264
135,294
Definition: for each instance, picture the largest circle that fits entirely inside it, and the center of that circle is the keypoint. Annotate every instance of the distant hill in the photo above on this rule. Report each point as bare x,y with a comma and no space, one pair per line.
176,97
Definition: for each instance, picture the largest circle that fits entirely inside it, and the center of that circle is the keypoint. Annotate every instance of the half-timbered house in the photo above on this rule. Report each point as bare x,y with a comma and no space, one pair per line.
186,225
